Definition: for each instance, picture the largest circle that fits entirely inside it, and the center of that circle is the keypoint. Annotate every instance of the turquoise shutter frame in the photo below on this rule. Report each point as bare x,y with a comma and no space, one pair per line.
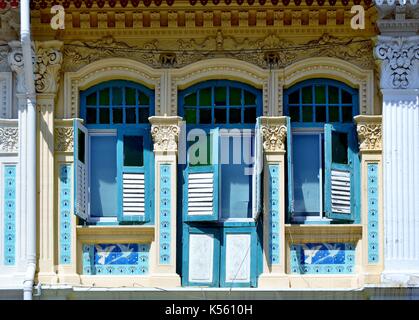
81,168
290,171
347,170
213,169
257,173
146,170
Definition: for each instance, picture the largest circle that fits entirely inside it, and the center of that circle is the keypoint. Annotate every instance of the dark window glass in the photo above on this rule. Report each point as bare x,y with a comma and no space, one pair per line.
117,115
190,116
294,97
117,96
190,100
235,96
250,115
130,96
91,99
320,113
104,97
220,115
320,92
133,151
235,115
333,94
346,97
104,116
220,98
81,145
205,97
249,98
295,114
347,114
130,116
90,115
143,99
339,147
307,94
308,114
205,116
194,156
333,114
143,114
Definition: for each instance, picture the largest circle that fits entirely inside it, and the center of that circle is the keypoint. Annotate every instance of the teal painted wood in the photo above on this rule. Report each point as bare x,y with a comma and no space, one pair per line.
274,219
165,209
116,259
65,215
9,214
322,258
290,172
372,188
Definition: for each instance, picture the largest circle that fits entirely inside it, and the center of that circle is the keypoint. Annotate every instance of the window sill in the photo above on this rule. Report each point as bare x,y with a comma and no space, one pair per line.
324,232
118,234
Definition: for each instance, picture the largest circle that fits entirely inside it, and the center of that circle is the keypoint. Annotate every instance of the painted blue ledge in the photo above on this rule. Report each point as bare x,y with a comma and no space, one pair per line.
372,188
65,215
165,205
9,214
274,219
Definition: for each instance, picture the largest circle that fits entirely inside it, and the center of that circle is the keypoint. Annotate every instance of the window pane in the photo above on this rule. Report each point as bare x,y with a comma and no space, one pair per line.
347,114
117,96
90,115
295,114
249,98
333,114
103,177
307,94
117,115
320,92
339,147
91,99
130,96
190,100
104,115
306,173
294,97
205,116
199,151
346,97
220,96
333,94
133,151
250,115
190,116
143,114
220,115
130,116
235,115
235,97
104,97
320,113
143,99
205,97
81,136
308,114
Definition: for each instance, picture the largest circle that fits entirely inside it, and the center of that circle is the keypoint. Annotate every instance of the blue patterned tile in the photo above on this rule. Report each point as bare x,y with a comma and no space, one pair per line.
274,220
65,215
372,231
165,207
9,214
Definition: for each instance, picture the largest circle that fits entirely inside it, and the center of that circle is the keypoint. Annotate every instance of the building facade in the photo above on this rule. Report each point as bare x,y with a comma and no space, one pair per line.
189,145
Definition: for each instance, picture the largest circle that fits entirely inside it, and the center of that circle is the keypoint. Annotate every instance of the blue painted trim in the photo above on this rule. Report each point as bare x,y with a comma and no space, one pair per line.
290,172
9,214
165,214
215,232
252,253
344,265
372,189
141,267
274,215
65,215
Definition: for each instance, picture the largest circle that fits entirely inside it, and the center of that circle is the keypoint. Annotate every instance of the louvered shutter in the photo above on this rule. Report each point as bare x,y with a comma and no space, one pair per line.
340,182
257,173
201,188
290,171
81,165
134,179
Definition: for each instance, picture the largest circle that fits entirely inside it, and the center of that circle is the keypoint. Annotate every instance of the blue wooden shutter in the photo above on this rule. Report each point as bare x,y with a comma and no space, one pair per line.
81,165
257,173
290,171
201,188
135,181
340,183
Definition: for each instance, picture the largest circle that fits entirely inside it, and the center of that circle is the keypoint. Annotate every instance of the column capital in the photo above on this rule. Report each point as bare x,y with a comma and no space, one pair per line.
369,130
15,60
274,133
49,59
165,133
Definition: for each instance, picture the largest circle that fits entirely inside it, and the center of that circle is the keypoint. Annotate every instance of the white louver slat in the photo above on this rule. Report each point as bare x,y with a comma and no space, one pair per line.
341,191
133,194
200,193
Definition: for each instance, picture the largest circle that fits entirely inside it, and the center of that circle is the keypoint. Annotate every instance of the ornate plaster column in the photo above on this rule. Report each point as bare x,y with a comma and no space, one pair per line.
398,53
47,79
165,132
369,130
274,132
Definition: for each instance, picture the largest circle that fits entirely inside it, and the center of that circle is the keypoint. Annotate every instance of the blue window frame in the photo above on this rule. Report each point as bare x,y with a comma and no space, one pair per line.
118,152
323,162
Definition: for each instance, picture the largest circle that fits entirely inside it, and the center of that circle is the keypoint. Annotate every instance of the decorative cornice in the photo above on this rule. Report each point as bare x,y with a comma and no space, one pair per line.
274,137
48,65
9,138
165,132
369,130
64,139
400,56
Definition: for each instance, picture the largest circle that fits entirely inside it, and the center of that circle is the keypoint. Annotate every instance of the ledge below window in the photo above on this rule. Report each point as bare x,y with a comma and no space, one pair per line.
348,232
116,234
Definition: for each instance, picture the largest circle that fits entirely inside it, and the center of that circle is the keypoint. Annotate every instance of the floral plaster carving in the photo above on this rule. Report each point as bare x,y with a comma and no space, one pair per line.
165,137
15,60
369,135
64,139
47,67
274,138
9,138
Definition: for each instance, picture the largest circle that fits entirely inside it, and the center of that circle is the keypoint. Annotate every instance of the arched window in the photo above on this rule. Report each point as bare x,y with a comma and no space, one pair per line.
322,152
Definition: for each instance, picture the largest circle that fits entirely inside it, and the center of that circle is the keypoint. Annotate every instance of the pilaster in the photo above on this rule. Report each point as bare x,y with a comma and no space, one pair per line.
165,132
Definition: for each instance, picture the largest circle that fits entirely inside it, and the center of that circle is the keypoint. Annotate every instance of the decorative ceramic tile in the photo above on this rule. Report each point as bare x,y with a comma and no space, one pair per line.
65,214
9,214
274,221
372,187
165,205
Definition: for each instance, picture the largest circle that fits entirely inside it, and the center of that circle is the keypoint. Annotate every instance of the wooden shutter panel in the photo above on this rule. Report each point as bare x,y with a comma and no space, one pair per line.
339,172
290,171
257,173
81,165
